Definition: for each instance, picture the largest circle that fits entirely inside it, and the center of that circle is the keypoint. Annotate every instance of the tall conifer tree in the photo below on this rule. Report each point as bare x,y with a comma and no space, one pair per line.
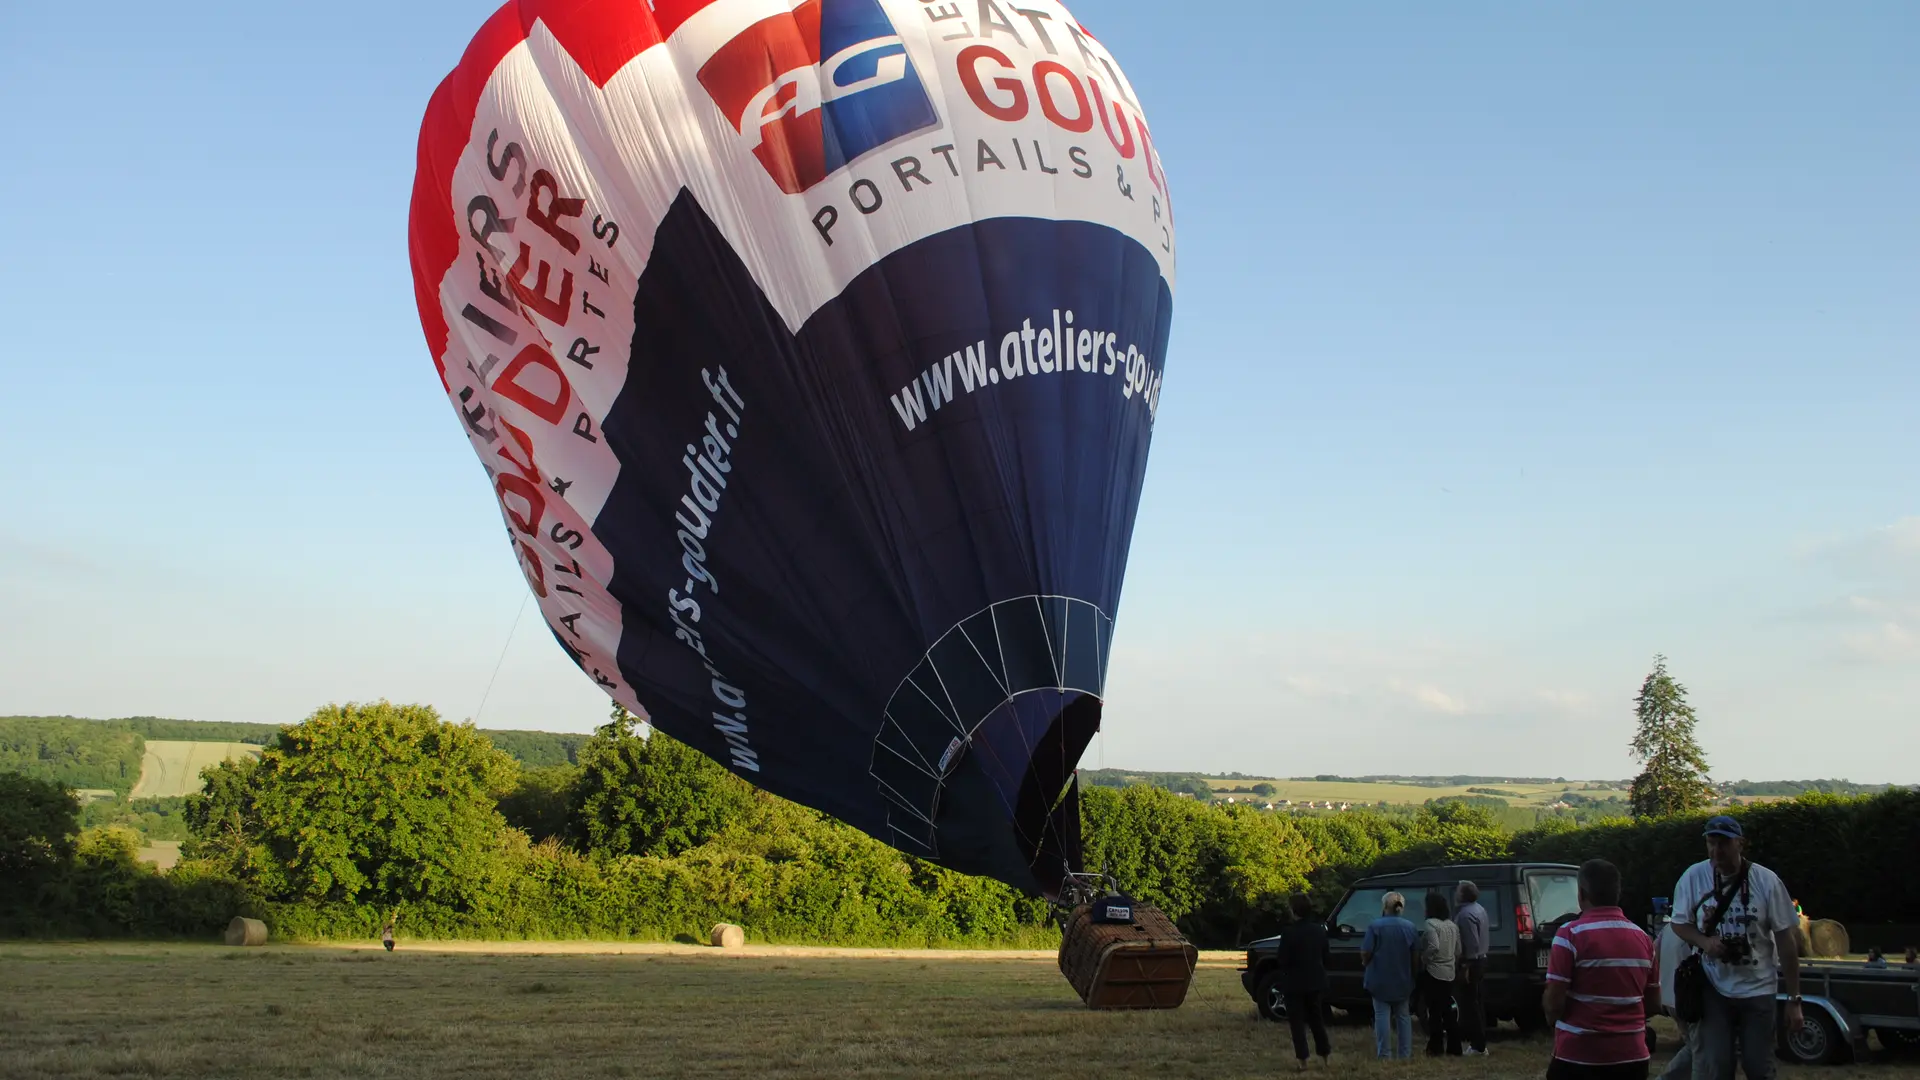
1674,777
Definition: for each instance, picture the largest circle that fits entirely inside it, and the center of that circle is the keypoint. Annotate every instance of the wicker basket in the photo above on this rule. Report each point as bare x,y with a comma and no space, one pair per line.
1145,964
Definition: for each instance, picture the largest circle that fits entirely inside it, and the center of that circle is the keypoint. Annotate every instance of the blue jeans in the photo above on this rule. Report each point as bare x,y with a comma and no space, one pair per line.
1392,1015
1733,1029
1680,1065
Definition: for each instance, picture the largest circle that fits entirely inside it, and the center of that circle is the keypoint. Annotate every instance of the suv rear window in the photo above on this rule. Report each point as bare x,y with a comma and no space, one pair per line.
1360,909
1364,905
1556,895
1490,899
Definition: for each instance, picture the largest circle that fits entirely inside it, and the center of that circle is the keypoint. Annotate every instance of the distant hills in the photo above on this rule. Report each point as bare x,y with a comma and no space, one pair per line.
107,755
1398,790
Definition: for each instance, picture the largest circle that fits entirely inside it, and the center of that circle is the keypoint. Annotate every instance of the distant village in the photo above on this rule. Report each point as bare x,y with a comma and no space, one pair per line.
1283,804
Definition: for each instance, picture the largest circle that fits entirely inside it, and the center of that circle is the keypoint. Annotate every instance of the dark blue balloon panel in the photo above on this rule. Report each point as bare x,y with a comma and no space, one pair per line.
912,519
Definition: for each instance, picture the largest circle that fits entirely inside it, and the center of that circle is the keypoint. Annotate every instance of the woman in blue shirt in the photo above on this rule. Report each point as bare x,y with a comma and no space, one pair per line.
1389,952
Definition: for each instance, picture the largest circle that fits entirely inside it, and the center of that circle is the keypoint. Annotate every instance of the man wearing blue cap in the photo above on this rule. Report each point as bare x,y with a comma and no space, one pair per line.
1740,916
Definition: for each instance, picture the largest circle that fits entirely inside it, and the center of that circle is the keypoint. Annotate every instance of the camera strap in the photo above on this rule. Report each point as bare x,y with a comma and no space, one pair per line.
1722,896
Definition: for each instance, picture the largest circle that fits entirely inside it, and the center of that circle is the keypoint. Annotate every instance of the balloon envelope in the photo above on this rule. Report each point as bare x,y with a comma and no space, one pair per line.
812,350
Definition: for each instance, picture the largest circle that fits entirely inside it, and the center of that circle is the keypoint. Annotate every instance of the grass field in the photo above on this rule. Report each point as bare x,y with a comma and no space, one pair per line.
164,854
530,1011
172,767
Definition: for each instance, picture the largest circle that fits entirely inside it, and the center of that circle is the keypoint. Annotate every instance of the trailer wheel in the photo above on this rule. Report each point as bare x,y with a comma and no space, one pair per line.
1816,1042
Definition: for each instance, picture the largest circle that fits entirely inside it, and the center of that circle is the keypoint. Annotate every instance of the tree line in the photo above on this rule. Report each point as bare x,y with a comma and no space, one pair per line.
364,813
76,750
107,755
77,753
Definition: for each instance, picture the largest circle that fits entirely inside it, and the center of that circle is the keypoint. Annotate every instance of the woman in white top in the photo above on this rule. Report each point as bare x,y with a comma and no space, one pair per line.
1439,960
1670,950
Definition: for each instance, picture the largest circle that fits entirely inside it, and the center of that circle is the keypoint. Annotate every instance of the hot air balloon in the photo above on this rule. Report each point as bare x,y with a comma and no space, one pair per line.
812,349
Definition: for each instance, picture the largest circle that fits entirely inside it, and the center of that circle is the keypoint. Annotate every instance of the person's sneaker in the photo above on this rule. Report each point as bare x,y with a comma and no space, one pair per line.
1471,1052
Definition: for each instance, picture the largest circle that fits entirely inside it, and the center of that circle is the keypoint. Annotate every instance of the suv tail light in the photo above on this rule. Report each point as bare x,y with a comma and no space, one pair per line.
1523,920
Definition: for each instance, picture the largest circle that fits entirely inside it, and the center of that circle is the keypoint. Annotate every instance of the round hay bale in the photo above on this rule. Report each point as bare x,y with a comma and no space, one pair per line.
725,935
1803,934
1829,938
244,931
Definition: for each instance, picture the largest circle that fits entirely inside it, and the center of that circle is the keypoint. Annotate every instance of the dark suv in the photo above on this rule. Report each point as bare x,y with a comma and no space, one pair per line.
1525,902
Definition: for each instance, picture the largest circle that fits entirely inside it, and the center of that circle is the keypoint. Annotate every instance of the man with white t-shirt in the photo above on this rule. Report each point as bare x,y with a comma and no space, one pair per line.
1751,948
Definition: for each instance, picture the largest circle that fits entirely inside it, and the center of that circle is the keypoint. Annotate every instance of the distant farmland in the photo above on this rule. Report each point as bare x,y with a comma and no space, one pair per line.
1523,794
172,767
1359,792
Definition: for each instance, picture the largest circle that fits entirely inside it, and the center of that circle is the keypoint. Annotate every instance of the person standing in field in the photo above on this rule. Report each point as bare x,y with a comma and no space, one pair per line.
386,935
1601,986
1471,979
1389,951
1752,949
1439,962
1668,949
1303,978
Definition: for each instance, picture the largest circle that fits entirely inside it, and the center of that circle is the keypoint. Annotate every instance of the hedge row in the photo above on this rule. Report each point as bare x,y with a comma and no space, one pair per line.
820,885
1845,858
99,890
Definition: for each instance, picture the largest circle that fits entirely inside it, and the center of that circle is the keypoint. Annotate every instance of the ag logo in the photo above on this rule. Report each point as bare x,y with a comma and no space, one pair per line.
813,89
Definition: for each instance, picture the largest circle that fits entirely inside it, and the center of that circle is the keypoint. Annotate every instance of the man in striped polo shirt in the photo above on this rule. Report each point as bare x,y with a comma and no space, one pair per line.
1601,986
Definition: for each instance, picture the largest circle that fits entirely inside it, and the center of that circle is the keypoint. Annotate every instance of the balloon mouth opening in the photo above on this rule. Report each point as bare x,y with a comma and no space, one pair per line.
1047,811
976,757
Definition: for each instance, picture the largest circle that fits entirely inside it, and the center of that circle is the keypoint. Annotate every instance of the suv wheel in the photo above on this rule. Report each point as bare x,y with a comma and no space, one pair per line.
1268,998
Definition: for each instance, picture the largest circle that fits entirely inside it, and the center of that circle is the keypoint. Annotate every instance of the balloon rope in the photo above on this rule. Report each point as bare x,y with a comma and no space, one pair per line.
524,597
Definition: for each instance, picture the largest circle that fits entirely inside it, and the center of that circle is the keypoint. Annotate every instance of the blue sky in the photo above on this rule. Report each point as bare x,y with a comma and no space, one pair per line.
1513,344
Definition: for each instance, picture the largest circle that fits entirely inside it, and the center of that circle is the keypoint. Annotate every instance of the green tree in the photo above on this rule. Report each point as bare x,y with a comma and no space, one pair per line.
379,804
1263,860
1153,842
38,820
157,818
1674,780
78,753
536,749
648,794
540,801
1221,872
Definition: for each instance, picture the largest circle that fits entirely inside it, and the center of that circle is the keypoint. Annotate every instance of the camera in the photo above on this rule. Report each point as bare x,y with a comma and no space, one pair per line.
1736,950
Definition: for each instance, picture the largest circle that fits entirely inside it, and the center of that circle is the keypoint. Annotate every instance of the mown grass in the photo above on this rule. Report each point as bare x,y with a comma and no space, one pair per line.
98,1010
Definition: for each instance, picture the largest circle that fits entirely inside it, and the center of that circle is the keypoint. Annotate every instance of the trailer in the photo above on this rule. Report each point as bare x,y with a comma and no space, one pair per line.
1845,999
